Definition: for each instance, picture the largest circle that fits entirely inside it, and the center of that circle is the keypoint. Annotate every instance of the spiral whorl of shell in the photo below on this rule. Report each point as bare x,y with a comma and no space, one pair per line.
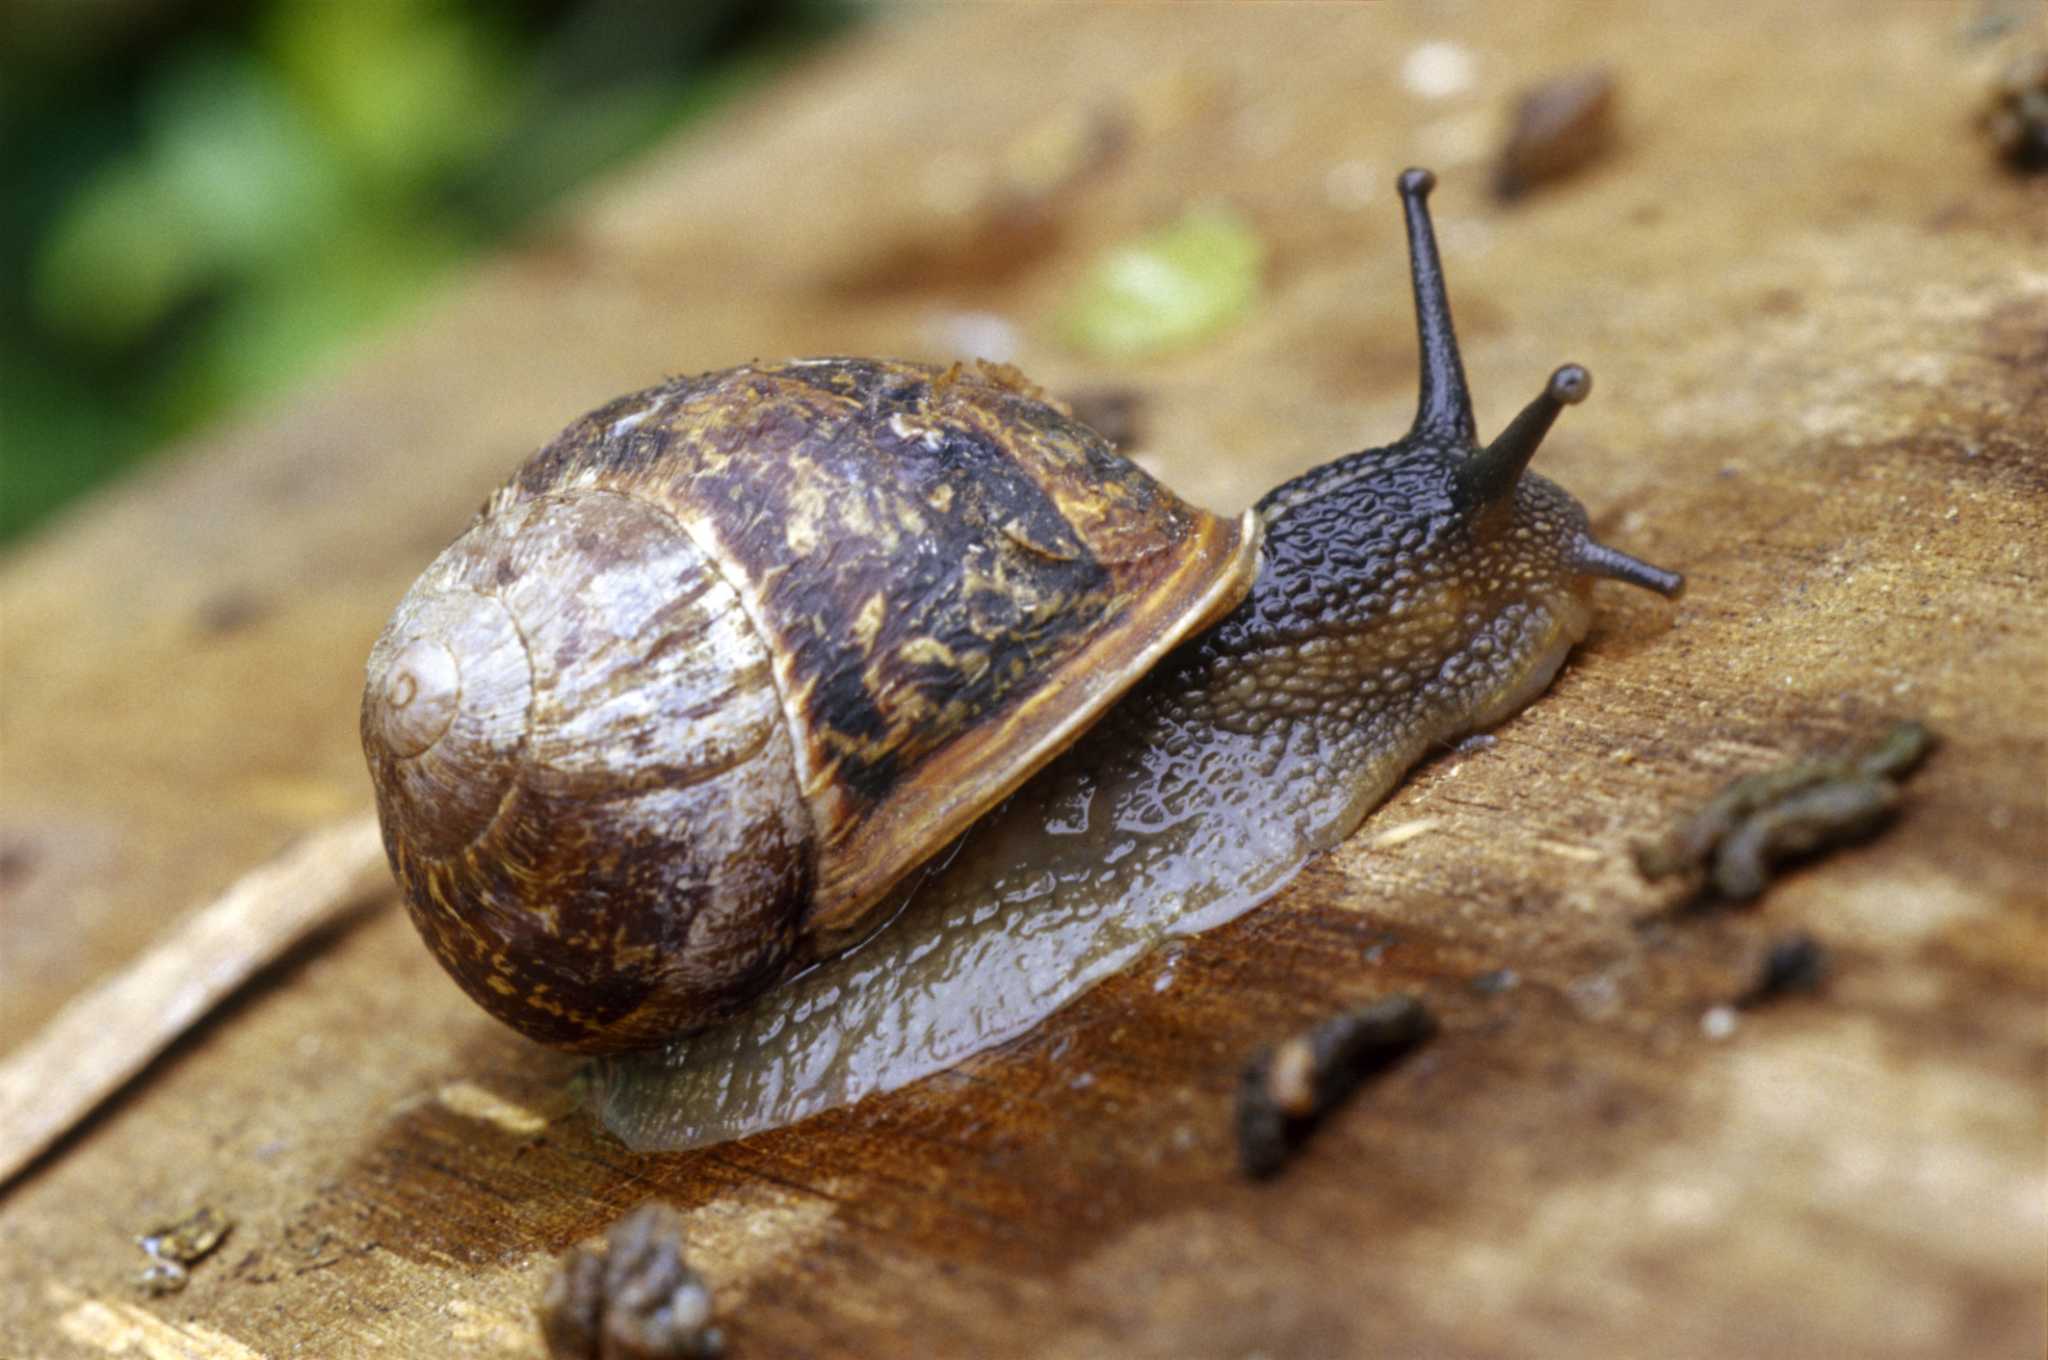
509,703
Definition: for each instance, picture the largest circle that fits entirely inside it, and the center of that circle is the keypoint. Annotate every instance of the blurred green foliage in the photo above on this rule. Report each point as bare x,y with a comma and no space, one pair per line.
199,200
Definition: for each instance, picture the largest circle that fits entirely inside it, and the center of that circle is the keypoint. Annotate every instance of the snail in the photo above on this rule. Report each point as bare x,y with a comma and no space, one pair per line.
739,665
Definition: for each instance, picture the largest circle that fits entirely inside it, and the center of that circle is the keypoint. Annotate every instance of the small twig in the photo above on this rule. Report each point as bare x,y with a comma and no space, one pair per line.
106,1035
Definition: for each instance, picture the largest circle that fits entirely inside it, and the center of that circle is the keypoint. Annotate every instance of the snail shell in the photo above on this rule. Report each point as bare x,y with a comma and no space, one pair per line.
731,657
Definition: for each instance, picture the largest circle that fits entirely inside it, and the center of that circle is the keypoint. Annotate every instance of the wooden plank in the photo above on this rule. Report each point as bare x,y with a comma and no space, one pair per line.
1816,311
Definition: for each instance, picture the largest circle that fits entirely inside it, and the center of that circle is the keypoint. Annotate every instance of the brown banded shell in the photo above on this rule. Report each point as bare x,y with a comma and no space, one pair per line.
732,656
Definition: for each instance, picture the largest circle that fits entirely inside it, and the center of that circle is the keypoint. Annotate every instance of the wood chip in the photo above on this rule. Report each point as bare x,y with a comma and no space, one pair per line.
106,1035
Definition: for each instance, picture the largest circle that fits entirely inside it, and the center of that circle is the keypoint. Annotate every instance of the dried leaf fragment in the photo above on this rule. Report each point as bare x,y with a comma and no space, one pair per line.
1559,127
2016,116
1286,1090
1794,963
1796,809
174,1247
631,1297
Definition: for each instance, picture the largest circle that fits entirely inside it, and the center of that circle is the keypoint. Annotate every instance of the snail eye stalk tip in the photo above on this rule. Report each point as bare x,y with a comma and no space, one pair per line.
1570,384
1416,182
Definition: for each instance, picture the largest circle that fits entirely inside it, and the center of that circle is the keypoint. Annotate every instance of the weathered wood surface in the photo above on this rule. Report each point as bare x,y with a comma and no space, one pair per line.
1818,314
106,1034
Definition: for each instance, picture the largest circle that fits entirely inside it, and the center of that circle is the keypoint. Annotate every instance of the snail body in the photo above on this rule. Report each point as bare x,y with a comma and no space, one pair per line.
1277,678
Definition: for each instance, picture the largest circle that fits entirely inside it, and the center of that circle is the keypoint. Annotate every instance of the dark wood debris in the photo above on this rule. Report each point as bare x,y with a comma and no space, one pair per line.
1288,1089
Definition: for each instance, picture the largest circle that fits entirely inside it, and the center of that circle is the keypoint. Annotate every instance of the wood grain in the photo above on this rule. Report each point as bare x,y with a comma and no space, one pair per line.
1817,312
111,1031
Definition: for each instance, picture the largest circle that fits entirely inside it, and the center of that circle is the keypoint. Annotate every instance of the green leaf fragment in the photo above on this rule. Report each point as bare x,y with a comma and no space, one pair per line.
1167,290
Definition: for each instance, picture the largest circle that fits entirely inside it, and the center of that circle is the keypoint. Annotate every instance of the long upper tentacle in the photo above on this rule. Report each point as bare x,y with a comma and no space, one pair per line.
1445,408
